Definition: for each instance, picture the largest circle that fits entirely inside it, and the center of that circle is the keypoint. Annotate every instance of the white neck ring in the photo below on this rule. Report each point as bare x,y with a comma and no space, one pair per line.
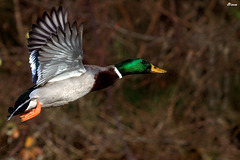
118,73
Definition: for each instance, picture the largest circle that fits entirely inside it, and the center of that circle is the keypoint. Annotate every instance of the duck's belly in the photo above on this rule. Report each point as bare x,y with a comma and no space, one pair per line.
65,91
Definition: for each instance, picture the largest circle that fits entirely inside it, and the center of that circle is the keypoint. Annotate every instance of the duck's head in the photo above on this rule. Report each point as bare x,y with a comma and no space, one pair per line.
137,66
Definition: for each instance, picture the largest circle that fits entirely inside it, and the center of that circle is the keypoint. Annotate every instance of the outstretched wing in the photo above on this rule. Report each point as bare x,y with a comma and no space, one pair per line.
55,48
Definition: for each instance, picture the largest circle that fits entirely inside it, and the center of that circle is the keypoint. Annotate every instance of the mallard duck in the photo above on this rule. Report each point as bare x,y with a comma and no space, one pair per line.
58,73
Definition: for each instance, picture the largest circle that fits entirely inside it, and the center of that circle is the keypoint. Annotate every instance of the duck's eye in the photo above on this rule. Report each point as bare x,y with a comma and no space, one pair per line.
144,62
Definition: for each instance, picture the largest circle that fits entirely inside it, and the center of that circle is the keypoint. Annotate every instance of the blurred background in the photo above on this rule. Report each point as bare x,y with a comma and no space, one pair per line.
192,112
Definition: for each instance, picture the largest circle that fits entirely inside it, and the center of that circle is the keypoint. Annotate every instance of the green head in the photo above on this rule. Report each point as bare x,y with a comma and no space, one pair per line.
137,66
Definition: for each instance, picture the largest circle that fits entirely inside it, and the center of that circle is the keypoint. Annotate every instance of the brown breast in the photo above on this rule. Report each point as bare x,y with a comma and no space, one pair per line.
104,79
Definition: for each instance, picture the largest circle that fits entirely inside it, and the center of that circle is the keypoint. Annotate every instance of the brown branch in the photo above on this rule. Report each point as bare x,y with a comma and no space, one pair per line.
125,15
133,34
119,126
43,4
18,18
174,18
96,39
174,97
150,28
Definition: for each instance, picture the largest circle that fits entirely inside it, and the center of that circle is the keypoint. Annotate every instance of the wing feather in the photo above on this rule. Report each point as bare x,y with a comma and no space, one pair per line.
74,34
49,22
39,30
61,18
67,36
56,49
44,26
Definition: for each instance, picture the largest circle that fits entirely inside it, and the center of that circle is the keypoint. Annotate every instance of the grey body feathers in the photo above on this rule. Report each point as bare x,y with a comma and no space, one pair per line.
62,92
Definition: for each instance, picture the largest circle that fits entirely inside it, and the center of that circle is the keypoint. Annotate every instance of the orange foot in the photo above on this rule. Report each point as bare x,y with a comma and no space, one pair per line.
31,113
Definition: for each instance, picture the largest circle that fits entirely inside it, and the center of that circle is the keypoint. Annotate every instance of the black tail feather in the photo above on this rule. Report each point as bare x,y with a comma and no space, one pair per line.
10,110
20,109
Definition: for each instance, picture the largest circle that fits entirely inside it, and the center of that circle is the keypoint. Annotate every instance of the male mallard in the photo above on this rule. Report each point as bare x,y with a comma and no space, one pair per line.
57,71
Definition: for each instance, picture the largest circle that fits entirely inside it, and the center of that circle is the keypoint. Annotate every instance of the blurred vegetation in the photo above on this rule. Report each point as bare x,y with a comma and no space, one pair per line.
192,112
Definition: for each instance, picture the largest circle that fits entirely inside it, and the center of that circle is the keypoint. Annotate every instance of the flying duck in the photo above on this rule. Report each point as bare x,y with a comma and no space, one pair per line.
58,74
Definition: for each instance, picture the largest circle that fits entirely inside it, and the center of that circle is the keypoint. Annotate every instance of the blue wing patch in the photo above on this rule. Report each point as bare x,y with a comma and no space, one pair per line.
34,63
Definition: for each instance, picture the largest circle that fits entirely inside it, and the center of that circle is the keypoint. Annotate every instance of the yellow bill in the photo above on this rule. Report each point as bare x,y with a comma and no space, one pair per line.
155,69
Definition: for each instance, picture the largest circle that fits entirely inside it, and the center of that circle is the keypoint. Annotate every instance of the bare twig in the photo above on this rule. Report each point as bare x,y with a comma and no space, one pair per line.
174,98
125,14
18,18
132,33
119,126
43,4
150,28
96,39
174,18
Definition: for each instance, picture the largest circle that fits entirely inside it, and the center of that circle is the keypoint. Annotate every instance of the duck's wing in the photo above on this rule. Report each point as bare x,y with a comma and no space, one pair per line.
55,48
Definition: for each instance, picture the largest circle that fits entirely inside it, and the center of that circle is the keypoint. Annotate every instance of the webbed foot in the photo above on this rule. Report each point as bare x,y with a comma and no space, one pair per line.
31,113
